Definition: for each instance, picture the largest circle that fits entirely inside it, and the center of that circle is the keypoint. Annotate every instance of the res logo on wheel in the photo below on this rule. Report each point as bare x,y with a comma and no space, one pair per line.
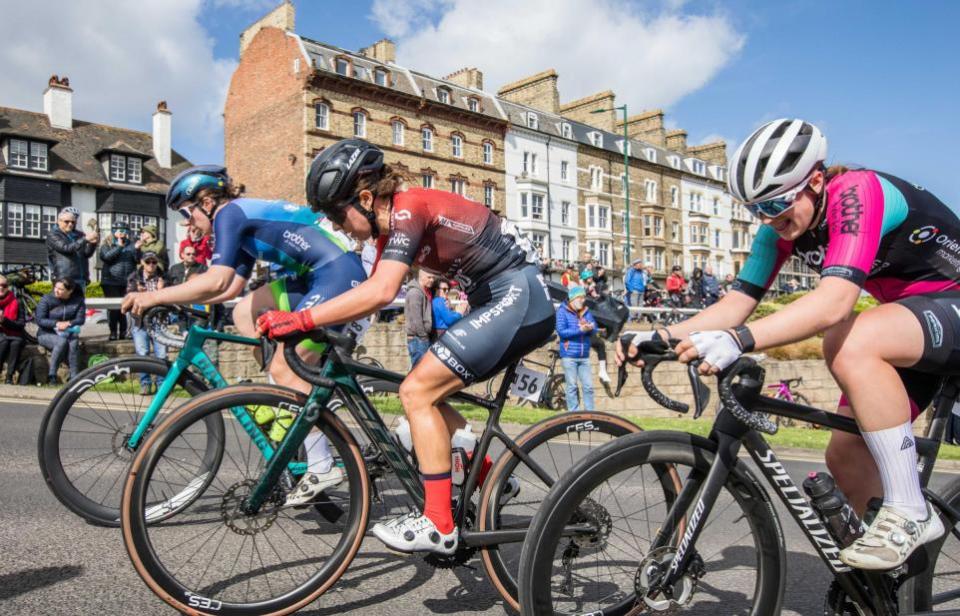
924,234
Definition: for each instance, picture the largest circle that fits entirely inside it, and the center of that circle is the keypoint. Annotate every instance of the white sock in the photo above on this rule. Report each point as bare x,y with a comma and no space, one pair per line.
895,453
319,458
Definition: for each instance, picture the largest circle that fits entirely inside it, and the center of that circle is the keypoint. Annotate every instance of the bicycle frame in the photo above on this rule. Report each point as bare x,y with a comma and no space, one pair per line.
865,588
192,354
343,372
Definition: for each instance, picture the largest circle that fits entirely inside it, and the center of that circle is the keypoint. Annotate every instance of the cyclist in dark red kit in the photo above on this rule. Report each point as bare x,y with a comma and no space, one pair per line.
455,238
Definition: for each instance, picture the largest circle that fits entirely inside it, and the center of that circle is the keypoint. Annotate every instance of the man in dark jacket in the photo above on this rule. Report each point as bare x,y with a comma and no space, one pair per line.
188,265
59,316
711,287
69,251
119,258
418,315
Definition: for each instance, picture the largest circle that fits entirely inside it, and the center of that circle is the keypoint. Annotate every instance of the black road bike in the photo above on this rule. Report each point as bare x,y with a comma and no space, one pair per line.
719,548
237,549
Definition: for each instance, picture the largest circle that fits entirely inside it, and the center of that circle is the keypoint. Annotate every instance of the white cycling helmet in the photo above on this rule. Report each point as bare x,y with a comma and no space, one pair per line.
777,158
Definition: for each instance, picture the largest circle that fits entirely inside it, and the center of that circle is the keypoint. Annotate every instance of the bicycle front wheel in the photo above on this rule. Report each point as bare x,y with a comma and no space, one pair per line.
215,558
937,589
617,495
83,443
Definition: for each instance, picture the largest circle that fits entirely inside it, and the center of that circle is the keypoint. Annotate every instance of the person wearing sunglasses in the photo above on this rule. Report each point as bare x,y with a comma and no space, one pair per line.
69,250
861,230
315,263
147,278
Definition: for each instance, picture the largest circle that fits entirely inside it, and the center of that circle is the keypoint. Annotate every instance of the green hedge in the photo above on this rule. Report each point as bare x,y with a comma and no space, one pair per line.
39,289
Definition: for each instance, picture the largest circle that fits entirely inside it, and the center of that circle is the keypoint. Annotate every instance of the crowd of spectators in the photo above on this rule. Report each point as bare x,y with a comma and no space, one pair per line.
431,305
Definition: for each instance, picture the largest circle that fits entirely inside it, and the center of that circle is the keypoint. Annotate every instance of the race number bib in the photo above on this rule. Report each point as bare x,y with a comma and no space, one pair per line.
358,328
528,384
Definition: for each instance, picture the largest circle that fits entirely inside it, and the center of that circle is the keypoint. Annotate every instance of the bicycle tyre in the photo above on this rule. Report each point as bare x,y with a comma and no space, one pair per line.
917,593
555,396
136,532
75,498
502,574
656,447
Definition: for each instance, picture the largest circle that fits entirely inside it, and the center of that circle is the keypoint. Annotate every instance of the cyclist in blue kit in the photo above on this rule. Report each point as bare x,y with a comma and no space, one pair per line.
318,262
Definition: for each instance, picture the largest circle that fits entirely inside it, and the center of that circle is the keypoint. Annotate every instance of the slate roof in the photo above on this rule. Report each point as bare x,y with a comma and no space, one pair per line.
73,155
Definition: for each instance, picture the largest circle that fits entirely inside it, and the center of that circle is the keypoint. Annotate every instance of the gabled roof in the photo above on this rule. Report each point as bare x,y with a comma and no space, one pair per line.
73,157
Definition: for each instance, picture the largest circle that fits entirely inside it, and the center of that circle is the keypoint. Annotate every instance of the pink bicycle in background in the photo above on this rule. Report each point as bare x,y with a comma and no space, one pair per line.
784,391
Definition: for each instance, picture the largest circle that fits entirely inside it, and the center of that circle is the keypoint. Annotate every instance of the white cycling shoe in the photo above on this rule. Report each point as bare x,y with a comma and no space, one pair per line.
312,484
415,533
891,539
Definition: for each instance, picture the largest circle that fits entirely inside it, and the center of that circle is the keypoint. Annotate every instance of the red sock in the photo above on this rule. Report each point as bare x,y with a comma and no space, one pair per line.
438,490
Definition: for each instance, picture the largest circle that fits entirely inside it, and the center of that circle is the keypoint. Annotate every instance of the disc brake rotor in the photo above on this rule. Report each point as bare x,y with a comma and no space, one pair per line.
242,523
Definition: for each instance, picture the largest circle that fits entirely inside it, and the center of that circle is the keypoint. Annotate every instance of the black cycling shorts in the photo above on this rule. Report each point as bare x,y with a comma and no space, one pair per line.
510,316
939,316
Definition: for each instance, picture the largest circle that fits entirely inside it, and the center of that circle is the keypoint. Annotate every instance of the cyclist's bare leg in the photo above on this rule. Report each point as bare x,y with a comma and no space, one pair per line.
431,420
852,466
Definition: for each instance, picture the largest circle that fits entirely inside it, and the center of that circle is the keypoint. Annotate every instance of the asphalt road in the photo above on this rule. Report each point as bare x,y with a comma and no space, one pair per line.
51,562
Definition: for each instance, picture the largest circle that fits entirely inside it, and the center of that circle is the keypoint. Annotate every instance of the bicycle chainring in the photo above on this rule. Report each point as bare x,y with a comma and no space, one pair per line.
459,558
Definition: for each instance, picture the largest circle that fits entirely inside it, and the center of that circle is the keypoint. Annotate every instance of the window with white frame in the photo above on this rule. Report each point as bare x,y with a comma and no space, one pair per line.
473,104
524,205
427,180
19,153
600,251
487,153
538,240
459,186
343,67
488,195
31,221
15,219
443,96
536,206
675,196
564,212
380,77
533,121
591,216
398,132
359,124
530,163
567,247
134,170
699,167
651,154
456,146
361,72
698,234
38,156
623,184
49,220
650,189
603,217
716,206
566,131
321,113
118,168
652,226
716,238
675,231
564,171
674,161
426,137
596,138
596,179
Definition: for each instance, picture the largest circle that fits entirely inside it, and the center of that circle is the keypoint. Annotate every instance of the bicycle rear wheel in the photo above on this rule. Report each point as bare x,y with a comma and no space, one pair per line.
554,445
737,564
82,446
215,558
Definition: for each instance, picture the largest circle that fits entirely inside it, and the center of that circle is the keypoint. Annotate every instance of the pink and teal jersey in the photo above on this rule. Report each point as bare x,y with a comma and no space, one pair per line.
886,235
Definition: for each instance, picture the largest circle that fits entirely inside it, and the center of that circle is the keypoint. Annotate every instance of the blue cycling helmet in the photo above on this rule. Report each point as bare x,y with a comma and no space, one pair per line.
188,183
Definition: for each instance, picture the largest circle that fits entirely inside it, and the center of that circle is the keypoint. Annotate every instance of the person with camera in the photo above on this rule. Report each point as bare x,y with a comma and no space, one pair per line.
69,250
119,257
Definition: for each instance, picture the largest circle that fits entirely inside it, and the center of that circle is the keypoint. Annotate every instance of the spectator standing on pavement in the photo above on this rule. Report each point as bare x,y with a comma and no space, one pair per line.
695,288
146,278
11,329
601,284
447,308
180,272
119,258
59,316
676,286
588,284
203,250
150,242
417,313
635,283
575,327
69,250
570,277
711,287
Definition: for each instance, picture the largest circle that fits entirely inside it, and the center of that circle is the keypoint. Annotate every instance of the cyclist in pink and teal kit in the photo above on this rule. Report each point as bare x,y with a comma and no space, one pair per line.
861,230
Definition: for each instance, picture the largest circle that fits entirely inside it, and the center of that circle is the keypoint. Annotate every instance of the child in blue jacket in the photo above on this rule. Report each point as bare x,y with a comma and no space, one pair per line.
575,326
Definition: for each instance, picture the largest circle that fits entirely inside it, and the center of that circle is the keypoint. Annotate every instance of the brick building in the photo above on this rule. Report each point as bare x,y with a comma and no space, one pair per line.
50,160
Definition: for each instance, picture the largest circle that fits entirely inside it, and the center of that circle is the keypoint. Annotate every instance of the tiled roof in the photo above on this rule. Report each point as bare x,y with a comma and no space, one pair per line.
73,155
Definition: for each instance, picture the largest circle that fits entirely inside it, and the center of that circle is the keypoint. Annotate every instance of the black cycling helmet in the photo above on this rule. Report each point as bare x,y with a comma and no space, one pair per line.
333,177
188,183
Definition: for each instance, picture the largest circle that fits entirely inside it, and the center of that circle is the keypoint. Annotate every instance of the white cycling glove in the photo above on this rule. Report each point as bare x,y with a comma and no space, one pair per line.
717,348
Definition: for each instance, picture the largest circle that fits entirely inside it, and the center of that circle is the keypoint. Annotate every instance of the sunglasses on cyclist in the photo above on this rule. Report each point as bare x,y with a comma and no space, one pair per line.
774,207
186,212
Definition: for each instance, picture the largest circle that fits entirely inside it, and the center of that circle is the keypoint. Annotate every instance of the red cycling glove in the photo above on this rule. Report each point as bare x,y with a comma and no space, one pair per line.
279,323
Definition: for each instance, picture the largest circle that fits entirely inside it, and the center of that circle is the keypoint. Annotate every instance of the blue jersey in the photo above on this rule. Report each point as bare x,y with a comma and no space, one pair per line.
286,234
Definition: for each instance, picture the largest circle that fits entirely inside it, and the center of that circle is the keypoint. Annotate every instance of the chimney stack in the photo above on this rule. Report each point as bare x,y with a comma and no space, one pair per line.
582,110
58,102
467,77
538,91
384,51
284,17
162,135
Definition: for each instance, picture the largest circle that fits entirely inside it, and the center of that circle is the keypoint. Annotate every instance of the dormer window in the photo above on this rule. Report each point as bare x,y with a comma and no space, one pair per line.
360,73
533,121
343,67
629,147
25,154
380,77
698,166
596,138
443,95
566,131
126,169
473,104
674,161
651,154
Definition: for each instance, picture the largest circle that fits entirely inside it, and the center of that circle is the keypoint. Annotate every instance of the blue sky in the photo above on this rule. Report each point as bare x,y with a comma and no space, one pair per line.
880,78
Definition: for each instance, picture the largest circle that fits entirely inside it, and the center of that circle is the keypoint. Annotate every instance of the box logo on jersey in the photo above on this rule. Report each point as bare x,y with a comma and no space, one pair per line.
924,234
850,211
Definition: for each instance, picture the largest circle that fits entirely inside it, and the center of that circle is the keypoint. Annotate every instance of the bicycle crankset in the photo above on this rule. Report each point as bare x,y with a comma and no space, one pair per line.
651,573
459,558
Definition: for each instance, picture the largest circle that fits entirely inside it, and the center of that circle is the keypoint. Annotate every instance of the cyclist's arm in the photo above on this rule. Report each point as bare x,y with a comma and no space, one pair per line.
828,304
731,310
198,290
366,298
235,289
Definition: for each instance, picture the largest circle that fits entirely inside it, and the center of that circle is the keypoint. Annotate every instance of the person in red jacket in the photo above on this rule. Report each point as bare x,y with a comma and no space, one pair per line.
11,329
203,251
676,286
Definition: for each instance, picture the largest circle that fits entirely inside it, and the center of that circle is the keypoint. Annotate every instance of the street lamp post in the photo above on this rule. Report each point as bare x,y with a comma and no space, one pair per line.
626,179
